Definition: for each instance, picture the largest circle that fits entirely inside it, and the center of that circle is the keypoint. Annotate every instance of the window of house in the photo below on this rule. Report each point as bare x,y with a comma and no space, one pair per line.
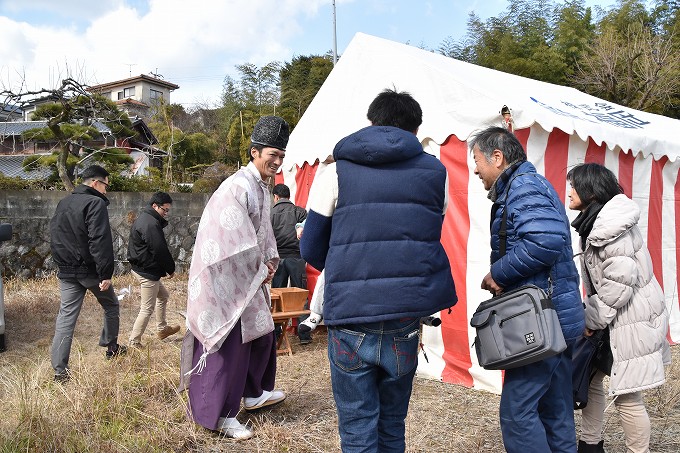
155,95
126,93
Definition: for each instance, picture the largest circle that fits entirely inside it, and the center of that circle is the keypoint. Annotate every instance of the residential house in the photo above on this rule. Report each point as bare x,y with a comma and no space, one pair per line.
10,112
141,148
30,107
139,96
15,146
14,141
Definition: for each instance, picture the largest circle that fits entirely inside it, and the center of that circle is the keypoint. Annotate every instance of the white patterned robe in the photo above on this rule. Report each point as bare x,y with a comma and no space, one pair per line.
234,241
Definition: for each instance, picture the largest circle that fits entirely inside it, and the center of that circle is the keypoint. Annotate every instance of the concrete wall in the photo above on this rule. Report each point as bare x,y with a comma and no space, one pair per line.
29,211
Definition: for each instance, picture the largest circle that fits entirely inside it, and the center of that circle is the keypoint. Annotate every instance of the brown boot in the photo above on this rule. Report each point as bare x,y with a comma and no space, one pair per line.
167,331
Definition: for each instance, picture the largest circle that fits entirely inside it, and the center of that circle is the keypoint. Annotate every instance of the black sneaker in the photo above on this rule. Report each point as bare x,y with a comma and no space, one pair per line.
303,329
116,351
63,377
305,340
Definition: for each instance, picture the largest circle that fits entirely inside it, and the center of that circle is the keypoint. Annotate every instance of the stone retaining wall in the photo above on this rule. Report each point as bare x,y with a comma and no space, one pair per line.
29,211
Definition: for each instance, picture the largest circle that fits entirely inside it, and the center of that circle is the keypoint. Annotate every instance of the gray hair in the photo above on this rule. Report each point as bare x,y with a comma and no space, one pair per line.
493,138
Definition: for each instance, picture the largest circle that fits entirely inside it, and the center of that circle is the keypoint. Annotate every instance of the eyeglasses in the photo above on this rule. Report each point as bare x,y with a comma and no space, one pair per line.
165,210
106,185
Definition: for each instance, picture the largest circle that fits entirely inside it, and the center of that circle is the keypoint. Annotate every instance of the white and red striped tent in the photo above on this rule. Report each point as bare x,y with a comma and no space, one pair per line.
558,126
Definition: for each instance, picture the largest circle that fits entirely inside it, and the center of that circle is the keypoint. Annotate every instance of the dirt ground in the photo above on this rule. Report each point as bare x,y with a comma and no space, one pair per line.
130,404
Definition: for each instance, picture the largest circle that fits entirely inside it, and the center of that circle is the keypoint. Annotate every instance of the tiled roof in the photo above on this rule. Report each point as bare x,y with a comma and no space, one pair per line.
139,78
7,108
131,101
11,166
17,127
144,132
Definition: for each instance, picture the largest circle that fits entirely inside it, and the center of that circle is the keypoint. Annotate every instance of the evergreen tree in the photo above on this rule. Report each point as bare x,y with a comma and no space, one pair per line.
259,87
187,152
270,90
301,79
574,32
629,54
523,40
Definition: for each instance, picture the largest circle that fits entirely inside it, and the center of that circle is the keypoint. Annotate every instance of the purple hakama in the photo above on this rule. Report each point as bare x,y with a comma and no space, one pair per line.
234,371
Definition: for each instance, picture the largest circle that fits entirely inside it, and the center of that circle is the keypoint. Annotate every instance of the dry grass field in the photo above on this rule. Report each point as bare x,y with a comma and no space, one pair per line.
130,404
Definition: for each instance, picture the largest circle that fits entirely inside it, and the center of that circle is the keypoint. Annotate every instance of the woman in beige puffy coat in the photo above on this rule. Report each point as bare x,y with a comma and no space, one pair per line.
623,296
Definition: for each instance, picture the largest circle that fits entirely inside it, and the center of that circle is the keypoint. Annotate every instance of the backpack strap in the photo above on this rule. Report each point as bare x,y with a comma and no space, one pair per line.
503,232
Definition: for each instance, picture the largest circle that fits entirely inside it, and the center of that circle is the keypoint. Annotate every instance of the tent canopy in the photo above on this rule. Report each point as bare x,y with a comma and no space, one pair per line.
558,127
460,98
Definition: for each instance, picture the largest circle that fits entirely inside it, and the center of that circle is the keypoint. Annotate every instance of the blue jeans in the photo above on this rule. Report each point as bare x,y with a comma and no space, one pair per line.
372,368
537,407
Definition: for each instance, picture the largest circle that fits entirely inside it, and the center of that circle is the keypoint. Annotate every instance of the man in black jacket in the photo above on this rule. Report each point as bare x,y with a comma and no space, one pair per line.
82,248
151,260
285,216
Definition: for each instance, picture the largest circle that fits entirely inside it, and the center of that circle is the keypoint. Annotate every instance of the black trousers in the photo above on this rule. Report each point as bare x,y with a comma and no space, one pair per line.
293,268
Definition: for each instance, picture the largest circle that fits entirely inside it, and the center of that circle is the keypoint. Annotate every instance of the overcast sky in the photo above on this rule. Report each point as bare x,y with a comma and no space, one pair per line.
195,44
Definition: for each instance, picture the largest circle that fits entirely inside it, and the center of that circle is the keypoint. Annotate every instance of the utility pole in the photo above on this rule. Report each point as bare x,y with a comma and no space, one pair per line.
335,39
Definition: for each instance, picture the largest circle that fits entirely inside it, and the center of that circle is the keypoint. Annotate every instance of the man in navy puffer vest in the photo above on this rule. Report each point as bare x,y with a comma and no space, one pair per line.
374,225
536,409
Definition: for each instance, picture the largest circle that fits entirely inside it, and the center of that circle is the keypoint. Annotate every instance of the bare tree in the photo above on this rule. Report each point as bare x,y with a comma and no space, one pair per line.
639,70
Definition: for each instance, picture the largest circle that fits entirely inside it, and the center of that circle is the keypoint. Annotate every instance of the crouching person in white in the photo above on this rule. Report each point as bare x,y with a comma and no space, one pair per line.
315,307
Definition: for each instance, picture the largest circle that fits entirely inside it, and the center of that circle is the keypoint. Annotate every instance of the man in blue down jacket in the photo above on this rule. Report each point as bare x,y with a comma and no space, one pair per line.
374,225
536,411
